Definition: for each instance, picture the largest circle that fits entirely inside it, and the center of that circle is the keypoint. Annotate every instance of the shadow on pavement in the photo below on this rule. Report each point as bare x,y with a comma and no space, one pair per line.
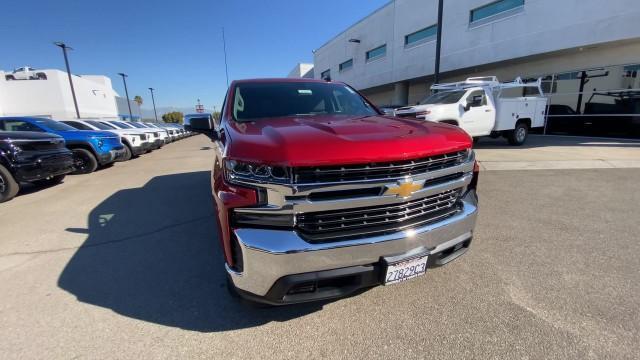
152,254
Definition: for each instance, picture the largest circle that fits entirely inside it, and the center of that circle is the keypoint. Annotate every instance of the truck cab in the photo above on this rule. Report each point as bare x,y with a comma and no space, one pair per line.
91,149
484,107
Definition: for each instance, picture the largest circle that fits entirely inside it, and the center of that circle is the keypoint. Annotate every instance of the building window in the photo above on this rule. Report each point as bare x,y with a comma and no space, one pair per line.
421,36
346,65
377,53
495,9
325,75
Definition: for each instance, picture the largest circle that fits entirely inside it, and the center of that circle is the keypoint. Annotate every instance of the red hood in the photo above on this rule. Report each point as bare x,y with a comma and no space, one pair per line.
333,140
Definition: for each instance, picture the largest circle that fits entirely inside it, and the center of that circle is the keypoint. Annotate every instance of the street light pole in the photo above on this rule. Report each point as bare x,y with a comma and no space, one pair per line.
153,100
64,48
124,80
436,75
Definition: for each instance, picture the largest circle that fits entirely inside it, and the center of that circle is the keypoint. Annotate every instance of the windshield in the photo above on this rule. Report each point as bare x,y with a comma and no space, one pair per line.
448,97
137,125
253,101
122,125
99,125
54,125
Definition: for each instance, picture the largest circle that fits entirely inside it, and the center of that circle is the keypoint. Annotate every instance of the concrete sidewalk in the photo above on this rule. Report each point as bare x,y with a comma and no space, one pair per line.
558,152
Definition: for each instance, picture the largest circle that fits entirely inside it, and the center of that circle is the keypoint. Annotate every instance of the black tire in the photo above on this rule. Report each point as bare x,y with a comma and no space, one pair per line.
55,180
9,77
41,76
84,161
128,153
8,186
476,140
518,136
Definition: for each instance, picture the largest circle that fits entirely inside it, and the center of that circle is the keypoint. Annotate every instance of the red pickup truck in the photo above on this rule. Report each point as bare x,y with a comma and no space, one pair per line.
318,194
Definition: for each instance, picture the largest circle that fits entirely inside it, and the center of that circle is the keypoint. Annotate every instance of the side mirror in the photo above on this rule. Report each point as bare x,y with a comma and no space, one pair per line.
202,125
467,107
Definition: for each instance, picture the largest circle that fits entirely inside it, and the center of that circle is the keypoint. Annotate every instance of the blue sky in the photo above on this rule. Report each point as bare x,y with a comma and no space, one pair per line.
174,46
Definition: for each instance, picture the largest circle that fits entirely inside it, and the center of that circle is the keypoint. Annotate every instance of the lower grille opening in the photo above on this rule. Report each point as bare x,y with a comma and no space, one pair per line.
452,253
326,285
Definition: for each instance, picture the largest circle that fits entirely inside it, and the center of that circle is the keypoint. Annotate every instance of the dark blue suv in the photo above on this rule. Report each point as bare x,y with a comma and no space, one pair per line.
90,148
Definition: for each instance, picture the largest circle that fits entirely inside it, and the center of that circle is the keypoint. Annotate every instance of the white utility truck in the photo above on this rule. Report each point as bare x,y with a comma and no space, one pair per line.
483,106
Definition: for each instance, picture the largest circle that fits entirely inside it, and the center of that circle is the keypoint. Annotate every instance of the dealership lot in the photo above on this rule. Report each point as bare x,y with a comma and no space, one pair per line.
125,263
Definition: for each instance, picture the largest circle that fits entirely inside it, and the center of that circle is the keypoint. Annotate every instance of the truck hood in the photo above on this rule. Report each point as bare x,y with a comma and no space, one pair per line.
85,133
26,135
416,108
331,140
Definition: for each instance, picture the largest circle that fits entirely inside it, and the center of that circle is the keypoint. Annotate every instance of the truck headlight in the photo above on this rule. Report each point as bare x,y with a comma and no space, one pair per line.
466,156
256,172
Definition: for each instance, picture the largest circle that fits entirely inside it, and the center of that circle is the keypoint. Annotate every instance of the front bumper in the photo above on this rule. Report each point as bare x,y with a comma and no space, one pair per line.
111,156
275,261
43,167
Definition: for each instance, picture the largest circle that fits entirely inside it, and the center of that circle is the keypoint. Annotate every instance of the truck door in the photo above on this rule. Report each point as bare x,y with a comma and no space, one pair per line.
479,116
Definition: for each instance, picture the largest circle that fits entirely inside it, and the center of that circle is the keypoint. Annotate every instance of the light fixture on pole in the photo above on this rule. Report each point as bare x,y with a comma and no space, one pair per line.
64,48
153,100
124,80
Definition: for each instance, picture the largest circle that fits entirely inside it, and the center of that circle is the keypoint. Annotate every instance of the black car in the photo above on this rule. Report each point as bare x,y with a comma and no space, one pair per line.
25,156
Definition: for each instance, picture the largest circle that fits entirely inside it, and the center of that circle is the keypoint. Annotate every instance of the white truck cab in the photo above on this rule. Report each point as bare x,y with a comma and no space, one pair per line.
26,73
483,107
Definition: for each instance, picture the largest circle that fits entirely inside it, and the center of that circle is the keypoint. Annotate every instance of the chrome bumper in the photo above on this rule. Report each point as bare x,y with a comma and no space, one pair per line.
269,255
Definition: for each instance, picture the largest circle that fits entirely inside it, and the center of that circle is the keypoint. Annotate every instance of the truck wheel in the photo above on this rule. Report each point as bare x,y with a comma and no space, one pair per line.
8,186
41,76
128,154
9,77
84,161
55,180
518,136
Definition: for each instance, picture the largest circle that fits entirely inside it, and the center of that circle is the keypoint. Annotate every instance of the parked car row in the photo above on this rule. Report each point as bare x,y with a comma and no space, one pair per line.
43,151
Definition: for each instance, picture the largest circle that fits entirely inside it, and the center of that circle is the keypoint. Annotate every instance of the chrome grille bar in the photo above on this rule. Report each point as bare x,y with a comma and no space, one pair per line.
387,170
385,218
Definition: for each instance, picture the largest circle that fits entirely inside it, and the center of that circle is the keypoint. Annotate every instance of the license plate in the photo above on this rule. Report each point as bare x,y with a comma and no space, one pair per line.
406,269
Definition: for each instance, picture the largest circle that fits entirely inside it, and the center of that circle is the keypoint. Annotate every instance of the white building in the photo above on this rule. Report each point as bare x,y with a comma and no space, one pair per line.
589,45
52,97
302,70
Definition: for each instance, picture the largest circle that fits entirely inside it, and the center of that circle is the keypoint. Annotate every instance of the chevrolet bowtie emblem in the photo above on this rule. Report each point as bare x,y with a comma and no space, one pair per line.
404,189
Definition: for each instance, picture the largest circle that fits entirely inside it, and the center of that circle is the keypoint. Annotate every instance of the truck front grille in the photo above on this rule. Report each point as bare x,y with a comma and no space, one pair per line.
357,222
143,136
372,171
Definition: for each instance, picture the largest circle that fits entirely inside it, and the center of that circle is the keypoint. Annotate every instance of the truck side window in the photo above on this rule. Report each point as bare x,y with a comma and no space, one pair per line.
19,125
477,98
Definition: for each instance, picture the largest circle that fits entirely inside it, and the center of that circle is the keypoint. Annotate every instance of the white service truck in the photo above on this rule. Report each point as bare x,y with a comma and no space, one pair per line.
483,106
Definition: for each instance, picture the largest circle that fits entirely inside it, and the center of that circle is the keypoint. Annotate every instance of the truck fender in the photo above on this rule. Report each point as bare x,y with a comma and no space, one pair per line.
81,145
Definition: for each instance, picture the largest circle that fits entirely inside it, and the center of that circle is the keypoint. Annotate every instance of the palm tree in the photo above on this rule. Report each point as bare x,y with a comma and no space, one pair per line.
138,100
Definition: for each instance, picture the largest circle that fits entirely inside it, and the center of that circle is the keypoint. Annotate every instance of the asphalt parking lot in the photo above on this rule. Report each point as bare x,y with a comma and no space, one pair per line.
125,264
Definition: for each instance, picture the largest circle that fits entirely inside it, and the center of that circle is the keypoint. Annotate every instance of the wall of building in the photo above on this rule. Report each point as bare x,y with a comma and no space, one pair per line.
540,27
52,97
302,70
611,57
